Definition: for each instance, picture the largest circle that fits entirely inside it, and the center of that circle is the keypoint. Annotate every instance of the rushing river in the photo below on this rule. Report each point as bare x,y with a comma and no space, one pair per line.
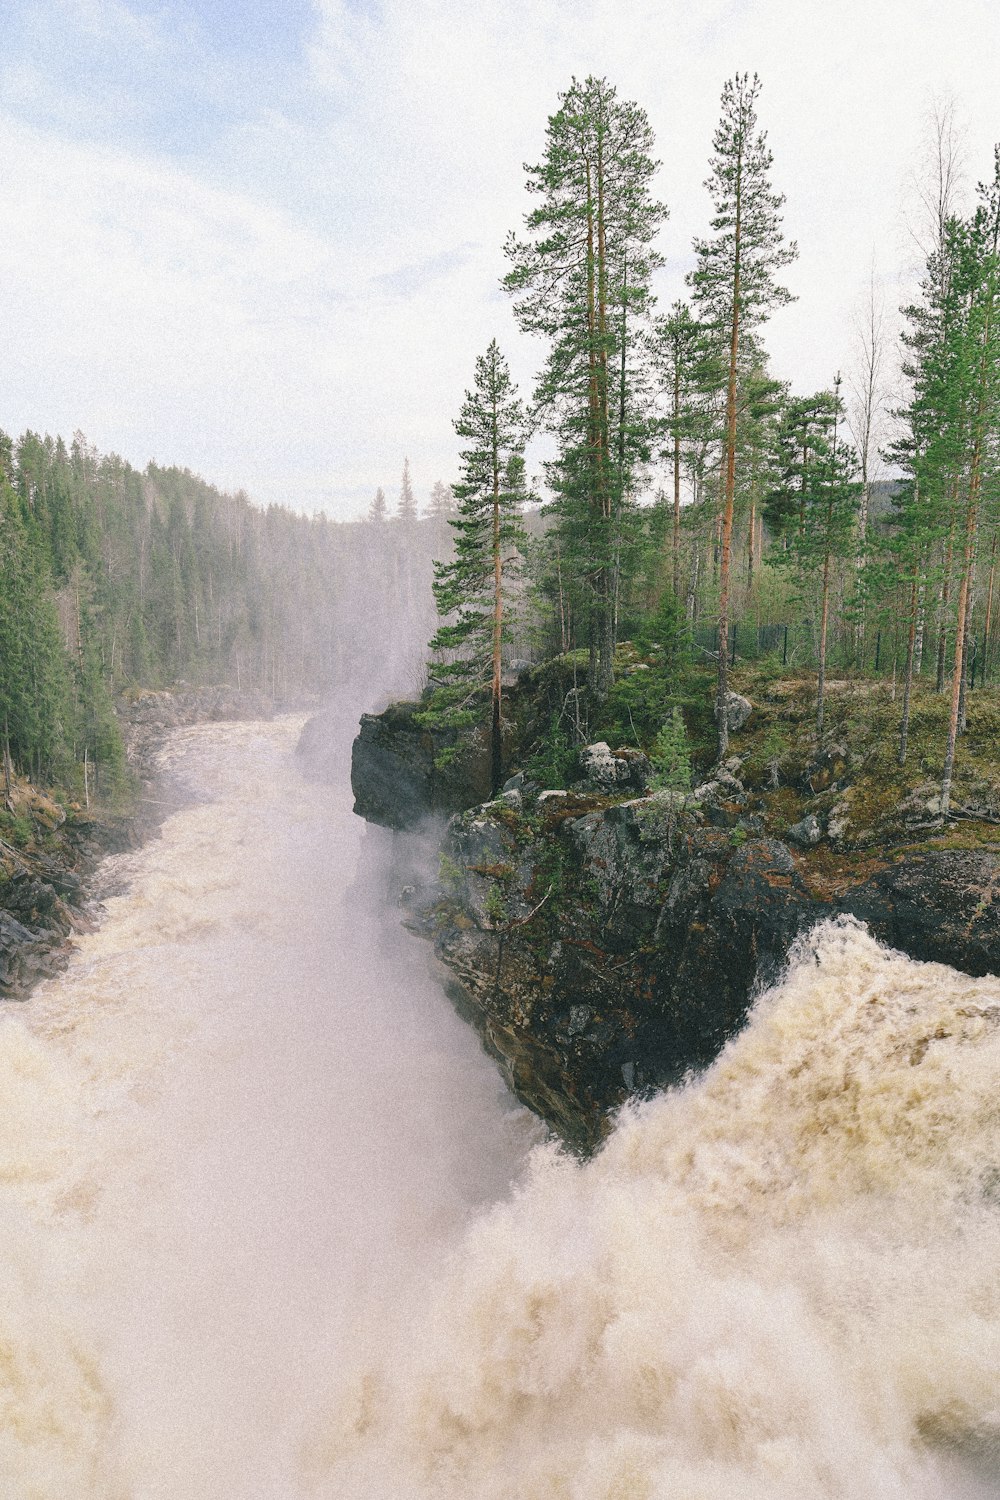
271,1229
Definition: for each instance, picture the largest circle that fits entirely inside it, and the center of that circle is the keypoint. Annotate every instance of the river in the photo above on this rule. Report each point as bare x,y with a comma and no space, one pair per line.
272,1229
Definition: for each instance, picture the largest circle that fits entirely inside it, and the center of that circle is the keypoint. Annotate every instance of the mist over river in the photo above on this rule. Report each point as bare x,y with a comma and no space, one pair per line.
271,1227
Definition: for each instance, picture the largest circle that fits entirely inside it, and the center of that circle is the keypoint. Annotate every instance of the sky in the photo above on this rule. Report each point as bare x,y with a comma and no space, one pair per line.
264,241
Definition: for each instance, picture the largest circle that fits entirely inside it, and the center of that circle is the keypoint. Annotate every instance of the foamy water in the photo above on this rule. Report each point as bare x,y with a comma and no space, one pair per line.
234,1130
260,1238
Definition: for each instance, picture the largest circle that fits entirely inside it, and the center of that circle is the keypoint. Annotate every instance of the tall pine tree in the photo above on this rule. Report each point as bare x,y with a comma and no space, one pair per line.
735,288
581,279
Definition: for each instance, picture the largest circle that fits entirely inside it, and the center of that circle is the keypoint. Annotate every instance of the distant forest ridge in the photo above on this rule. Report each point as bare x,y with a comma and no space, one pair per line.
116,579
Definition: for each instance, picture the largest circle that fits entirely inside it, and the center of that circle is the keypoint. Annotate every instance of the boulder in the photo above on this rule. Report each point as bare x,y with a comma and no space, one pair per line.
807,832
828,769
738,711
609,771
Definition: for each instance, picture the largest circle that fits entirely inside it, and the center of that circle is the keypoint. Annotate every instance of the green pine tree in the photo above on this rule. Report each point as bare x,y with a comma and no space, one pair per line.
582,279
472,590
735,288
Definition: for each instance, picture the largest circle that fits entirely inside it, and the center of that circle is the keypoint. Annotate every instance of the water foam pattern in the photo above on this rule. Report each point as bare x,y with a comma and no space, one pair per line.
242,1116
260,1240
778,1281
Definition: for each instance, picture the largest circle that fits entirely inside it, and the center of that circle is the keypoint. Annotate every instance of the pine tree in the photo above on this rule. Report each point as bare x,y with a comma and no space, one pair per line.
581,279
407,503
735,288
679,353
378,510
472,590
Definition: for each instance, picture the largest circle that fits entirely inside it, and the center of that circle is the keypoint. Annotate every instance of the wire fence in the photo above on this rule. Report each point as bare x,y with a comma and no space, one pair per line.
880,651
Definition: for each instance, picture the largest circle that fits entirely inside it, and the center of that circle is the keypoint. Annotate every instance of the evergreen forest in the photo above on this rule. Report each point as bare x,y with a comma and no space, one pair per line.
696,513
698,510
117,580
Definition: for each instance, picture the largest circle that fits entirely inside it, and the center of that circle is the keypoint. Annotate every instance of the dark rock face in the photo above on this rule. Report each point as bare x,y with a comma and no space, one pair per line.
606,941
393,776
639,972
942,906
606,950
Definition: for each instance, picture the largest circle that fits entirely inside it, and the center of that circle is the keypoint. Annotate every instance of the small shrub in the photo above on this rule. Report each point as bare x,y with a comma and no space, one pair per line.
671,756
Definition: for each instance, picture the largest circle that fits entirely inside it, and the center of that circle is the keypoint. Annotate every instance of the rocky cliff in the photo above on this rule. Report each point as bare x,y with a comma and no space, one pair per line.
607,939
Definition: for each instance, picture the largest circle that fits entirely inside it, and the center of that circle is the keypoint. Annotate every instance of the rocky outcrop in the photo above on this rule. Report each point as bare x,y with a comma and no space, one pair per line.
606,939
395,776
605,949
940,905
607,770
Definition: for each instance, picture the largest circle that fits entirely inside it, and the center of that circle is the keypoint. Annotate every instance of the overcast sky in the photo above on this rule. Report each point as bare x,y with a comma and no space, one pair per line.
263,240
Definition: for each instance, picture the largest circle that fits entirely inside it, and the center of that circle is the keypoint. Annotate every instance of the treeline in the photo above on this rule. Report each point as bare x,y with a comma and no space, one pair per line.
690,486
116,580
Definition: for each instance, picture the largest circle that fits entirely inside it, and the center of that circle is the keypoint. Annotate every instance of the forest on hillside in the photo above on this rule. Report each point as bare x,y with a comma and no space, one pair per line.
116,580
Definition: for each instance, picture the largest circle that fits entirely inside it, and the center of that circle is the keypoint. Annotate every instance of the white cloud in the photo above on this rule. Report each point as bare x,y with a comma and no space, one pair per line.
298,332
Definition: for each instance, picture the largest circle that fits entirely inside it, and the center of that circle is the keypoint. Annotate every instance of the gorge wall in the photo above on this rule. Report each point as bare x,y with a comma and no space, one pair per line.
607,940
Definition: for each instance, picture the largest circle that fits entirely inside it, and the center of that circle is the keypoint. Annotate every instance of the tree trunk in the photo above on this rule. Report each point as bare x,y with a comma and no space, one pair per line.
911,642
751,535
606,663
496,729
824,621
7,778
957,674
989,609
945,596
595,444
963,694
677,477
722,685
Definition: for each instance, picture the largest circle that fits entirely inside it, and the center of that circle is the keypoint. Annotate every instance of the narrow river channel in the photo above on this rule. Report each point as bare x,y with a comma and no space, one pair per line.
271,1227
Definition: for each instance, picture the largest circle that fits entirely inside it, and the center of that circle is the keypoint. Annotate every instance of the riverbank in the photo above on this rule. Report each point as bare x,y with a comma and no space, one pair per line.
51,845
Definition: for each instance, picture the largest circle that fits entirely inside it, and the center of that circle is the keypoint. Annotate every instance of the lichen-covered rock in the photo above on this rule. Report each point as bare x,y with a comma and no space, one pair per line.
806,832
828,769
738,710
608,770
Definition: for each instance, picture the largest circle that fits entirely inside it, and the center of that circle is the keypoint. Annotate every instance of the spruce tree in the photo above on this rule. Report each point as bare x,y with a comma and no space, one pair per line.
823,532
407,502
378,509
472,590
976,374
735,288
679,354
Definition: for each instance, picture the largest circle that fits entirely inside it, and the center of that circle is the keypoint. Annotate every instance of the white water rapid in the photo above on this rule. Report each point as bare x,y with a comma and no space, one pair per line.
260,1239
